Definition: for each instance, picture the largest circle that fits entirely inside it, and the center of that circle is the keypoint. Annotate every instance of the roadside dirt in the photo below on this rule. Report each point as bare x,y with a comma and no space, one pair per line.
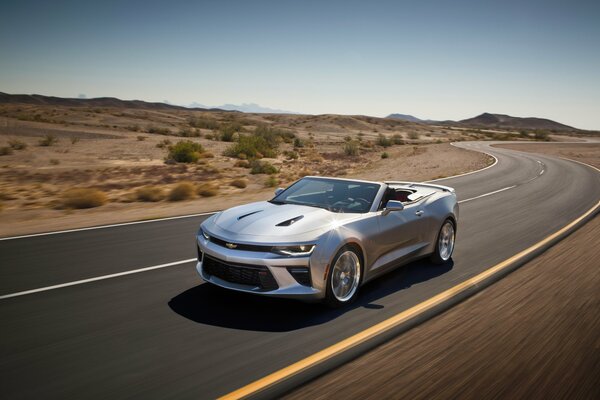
588,153
113,151
534,334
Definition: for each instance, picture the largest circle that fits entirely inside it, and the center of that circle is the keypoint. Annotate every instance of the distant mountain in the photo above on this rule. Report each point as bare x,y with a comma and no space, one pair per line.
487,120
253,108
38,99
405,117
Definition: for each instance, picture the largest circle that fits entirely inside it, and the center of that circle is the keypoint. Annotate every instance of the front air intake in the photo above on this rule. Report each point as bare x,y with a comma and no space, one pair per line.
301,275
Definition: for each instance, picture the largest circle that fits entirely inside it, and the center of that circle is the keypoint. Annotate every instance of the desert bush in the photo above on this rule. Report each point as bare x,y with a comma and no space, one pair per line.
149,193
413,135
187,132
17,144
185,151
251,147
228,131
274,136
54,161
6,151
291,155
262,167
182,191
141,138
383,141
239,183
133,128
207,190
397,139
541,135
385,155
271,181
242,164
351,148
203,123
163,143
298,143
83,198
75,140
347,138
48,140
159,131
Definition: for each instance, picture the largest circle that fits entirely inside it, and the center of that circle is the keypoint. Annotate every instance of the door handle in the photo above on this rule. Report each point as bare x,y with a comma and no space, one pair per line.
419,213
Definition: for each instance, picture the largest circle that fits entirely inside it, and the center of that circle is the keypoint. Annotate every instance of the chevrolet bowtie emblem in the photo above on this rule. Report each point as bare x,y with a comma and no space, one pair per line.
231,245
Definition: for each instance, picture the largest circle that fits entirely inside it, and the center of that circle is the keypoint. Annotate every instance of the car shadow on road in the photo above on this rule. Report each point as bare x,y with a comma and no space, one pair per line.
212,305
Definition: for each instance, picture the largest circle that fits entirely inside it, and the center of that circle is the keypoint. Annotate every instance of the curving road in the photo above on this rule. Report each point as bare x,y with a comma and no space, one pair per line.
161,333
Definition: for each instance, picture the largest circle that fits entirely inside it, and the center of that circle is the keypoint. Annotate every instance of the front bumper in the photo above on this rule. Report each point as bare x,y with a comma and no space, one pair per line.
278,267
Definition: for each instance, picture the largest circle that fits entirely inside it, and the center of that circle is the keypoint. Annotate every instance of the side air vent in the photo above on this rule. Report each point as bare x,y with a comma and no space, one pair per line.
290,221
249,214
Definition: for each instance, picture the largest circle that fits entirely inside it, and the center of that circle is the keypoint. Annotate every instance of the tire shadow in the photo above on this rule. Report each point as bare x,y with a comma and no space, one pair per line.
211,305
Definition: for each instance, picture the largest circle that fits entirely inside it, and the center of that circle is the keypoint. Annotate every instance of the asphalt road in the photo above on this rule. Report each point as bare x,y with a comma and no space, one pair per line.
165,334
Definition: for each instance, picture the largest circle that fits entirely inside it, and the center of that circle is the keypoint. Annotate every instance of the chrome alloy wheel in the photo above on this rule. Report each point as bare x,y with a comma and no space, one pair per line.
446,241
345,276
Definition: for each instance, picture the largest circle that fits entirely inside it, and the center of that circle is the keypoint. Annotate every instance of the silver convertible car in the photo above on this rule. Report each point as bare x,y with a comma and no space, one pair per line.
322,238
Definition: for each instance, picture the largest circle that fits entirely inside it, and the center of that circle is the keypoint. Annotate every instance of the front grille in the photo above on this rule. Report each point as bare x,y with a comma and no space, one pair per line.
251,275
239,246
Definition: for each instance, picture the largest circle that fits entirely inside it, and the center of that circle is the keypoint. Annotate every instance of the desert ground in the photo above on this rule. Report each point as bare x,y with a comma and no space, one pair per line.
67,167
532,333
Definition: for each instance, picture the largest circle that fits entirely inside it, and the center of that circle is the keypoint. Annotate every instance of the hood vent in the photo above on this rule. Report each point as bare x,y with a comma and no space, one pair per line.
290,221
249,214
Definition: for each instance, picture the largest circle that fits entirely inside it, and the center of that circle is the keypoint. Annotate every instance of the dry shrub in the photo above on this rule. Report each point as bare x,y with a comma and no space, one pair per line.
182,191
242,164
17,144
48,140
6,151
239,183
271,181
207,190
83,198
150,193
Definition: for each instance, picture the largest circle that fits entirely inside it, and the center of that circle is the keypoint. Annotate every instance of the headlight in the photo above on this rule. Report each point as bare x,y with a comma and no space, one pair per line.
204,234
297,251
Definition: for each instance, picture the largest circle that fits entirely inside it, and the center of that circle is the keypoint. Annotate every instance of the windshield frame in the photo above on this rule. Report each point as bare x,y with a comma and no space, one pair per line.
277,199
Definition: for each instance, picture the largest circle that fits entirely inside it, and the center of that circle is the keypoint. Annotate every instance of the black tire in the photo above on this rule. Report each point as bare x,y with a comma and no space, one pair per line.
436,257
330,299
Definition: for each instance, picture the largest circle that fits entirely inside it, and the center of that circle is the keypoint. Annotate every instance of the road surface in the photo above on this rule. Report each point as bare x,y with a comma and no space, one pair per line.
162,333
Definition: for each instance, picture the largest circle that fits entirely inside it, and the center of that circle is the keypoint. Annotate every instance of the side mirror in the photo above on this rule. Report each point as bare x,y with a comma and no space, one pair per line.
278,191
393,205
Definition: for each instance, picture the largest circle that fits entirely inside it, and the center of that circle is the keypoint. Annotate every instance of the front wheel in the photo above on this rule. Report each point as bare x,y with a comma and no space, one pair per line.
445,243
344,278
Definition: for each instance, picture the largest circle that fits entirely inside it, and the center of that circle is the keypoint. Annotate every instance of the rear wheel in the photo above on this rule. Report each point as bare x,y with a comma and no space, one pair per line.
444,246
344,277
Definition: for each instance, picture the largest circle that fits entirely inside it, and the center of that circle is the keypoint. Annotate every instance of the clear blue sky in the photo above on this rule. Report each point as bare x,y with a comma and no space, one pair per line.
433,59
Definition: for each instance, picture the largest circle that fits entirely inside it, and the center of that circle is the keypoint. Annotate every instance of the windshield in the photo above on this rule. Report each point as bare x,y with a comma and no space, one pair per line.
331,194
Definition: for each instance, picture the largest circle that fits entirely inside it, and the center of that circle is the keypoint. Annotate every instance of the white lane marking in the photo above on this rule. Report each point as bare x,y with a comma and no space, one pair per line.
106,226
98,278
487,194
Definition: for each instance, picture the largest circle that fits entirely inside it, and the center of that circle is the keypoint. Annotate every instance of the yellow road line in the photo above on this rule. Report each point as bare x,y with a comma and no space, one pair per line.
381,327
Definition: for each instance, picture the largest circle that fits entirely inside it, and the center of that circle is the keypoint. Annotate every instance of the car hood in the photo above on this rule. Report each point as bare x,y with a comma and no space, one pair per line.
281,221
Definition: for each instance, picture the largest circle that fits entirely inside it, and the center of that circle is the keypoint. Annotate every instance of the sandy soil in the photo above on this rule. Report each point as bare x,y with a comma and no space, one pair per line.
534,334
119,151
588,153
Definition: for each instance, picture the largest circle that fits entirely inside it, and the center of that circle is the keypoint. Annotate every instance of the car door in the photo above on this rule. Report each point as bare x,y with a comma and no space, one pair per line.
401,235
